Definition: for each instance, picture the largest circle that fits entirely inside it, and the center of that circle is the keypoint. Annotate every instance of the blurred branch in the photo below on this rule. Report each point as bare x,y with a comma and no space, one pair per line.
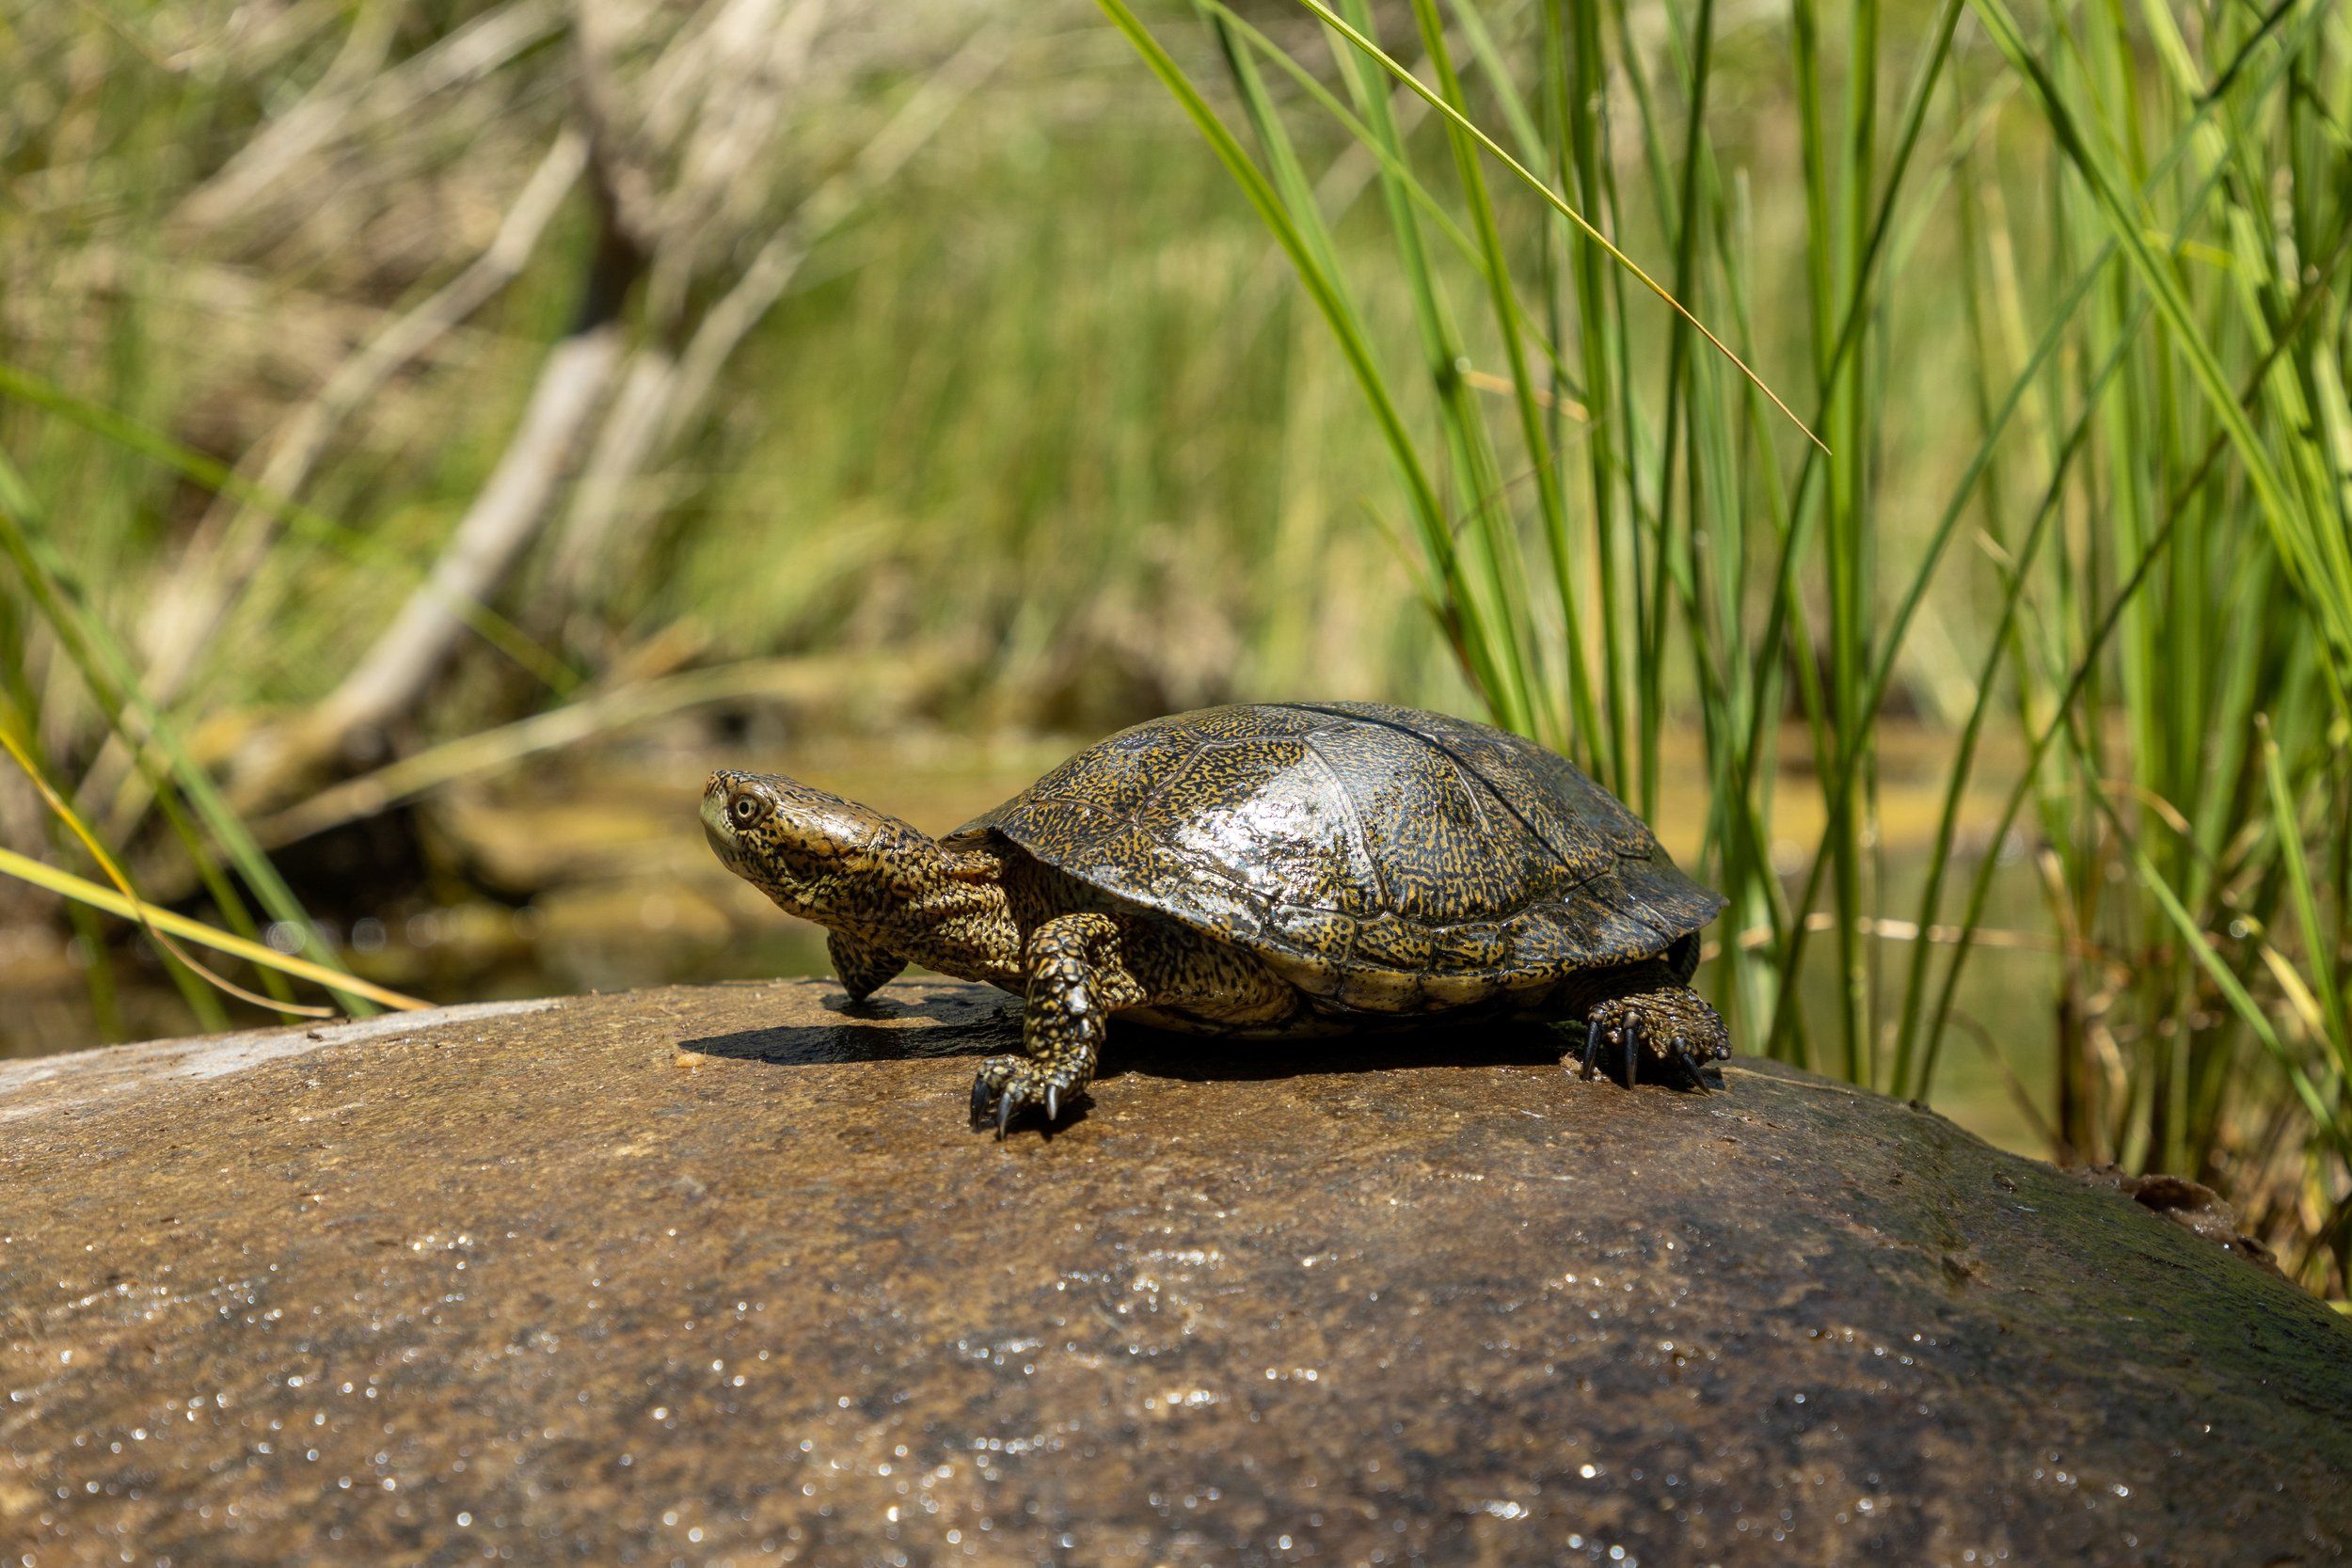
106,18
683,140
235,536
355,92
396,671
665,390
305,437
886,689
500,522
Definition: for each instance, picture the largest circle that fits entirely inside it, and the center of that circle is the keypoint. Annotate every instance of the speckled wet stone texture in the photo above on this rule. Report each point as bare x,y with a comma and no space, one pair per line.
545,1284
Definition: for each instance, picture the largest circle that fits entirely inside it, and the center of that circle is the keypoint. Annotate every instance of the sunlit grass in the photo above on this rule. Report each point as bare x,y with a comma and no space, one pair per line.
2153,368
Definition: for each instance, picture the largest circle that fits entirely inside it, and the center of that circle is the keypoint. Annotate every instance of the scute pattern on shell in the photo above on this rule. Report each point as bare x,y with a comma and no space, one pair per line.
1384,859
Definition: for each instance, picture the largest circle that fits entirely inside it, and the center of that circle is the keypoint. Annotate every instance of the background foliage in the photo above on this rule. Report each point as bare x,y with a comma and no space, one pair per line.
410,407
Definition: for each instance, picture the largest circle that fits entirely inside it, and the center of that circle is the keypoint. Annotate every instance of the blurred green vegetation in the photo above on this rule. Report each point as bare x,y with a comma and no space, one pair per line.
414,414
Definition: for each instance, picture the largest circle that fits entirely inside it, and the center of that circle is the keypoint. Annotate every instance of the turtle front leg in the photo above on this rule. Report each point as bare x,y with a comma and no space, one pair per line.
1076,980
1650,1017
863,968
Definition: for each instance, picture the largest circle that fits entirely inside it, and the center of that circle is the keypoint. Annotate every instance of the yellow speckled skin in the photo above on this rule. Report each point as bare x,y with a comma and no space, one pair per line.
1269,869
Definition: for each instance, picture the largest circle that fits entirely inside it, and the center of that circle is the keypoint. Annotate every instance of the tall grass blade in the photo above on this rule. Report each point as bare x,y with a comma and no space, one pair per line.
1558,202
82,890
106,671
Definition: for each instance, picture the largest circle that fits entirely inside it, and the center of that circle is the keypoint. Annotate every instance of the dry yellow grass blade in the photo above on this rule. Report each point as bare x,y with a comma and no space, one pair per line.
115,875
68,885
125,900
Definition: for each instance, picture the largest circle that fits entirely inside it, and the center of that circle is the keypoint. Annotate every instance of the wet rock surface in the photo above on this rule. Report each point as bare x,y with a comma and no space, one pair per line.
718,1274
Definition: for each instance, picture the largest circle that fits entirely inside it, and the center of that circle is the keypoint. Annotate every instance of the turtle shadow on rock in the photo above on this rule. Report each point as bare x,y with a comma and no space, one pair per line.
1495,1042
914,1027
1205,1058
914,1024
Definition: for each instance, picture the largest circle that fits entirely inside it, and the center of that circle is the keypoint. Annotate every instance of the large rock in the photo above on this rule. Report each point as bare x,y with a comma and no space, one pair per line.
718,1274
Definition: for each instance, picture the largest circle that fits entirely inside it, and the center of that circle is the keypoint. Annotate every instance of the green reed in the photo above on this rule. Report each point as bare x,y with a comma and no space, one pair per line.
2115,244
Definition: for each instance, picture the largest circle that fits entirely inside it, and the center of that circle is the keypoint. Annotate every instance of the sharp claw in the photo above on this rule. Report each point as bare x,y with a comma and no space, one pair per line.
1004,1113
1690,1066
1592,1049
979,1099
1052,1102
1632,1046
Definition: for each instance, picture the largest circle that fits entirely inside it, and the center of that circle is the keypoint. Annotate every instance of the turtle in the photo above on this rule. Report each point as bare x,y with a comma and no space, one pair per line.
1264,870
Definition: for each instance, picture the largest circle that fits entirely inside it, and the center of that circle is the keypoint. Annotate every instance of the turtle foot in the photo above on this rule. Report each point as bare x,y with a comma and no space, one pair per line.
1007,1086
1667,1036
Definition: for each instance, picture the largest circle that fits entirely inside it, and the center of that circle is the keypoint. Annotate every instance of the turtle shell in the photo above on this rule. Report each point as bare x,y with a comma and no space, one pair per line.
1384,859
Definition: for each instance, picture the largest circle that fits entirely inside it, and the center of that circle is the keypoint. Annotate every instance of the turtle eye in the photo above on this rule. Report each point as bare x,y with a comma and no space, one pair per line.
745,811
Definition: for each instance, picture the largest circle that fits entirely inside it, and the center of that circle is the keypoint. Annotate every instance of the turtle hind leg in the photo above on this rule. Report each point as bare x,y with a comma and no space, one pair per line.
1654,1025
1075,981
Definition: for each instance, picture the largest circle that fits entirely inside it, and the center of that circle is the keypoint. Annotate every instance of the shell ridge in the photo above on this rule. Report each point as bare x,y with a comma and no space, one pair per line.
1462,766
1175,777
1477,810
1355,822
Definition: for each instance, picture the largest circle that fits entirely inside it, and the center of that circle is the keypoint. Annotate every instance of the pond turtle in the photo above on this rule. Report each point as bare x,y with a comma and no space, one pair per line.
1264,870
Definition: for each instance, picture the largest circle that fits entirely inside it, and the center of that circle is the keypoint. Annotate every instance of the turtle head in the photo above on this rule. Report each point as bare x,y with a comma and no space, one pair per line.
864,874
817,855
